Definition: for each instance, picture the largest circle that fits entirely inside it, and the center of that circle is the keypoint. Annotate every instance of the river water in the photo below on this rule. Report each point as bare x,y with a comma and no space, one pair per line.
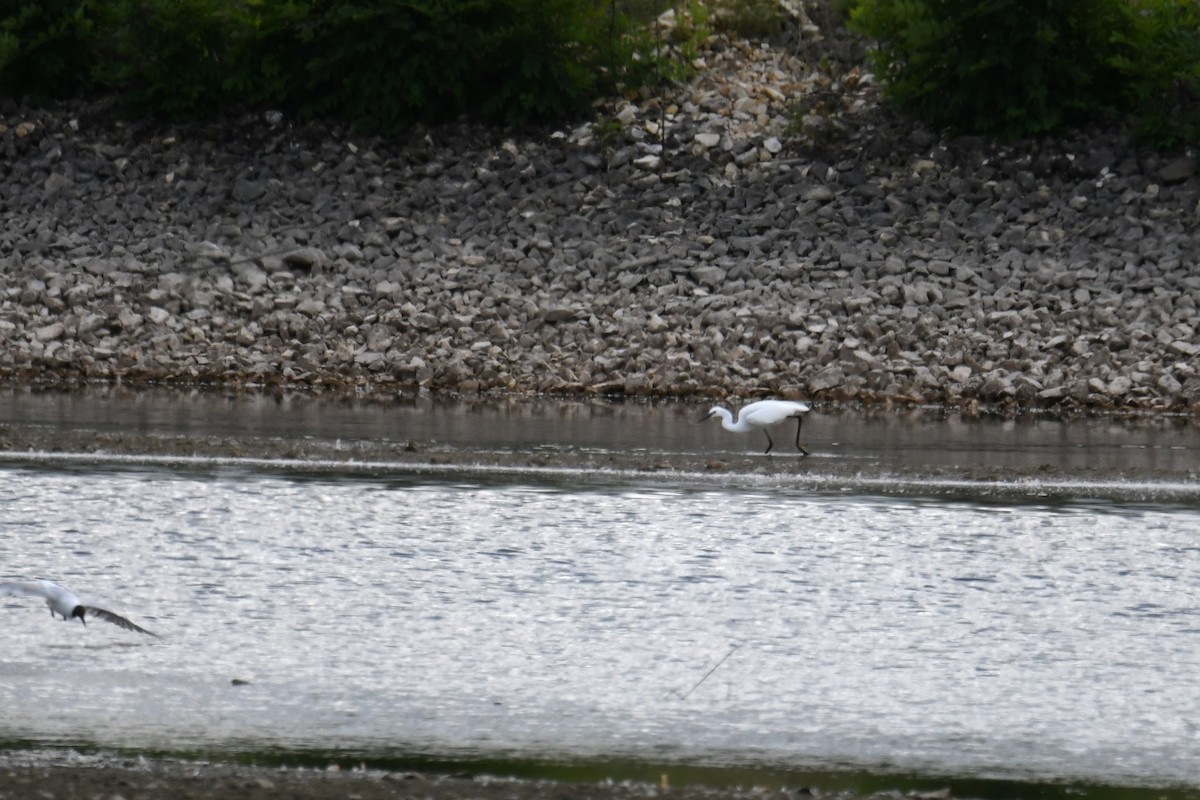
817,620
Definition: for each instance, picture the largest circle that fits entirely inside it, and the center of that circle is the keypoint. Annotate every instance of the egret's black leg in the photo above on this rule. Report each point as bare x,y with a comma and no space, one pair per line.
799,422
770,444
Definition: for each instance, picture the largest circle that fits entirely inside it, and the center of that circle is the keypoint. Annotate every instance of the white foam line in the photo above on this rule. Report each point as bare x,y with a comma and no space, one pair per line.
881,484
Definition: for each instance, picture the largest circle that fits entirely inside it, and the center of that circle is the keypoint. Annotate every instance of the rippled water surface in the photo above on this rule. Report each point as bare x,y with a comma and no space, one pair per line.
777,620
482,619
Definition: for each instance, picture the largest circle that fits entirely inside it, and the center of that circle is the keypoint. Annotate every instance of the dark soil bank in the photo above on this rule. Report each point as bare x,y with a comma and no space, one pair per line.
161,780
201,781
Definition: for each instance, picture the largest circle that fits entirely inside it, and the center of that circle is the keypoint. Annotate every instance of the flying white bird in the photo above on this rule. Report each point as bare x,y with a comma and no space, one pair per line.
65,603
762,415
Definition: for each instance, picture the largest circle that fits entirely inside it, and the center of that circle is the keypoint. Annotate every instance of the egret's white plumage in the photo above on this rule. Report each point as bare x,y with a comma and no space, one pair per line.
65,603
762,415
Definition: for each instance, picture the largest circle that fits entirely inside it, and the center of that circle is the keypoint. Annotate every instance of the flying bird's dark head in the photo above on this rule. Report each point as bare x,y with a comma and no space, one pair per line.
79,611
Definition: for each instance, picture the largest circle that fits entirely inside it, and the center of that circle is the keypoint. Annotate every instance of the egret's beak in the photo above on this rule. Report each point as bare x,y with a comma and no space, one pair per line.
706,416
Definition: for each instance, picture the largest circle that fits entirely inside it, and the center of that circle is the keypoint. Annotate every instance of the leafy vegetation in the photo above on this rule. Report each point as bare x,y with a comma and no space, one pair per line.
174,59
748,19
1160,65
44,48
1006,67
389,65
1025,67
381,64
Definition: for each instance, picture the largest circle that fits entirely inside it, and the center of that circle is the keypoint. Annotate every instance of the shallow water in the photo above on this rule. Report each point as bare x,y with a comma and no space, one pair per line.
556,615
472,620
918,452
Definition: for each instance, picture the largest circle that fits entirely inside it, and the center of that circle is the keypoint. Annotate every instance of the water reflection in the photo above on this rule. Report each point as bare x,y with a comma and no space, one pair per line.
1136,448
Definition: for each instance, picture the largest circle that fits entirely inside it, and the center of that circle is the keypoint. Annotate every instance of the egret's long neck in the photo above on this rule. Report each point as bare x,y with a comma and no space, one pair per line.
728,424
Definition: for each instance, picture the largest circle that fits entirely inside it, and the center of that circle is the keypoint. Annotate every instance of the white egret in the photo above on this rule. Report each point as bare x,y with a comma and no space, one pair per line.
65,603
762,415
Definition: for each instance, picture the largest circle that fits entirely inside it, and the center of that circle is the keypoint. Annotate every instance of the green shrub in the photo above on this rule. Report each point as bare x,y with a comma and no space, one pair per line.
640,52
1003,67
387,65
45,48
750,19
1160,65
382,65
169,57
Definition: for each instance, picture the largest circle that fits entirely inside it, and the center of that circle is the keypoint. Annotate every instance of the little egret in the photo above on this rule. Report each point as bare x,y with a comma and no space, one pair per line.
65,603
762,415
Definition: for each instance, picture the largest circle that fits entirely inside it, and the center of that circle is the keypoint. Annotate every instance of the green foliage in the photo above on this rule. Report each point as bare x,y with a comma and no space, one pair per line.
387,65
1021,67
263,61
644,43
750,19
44,47
168,57
188,59
382,65
529,71
1004,67
1160,63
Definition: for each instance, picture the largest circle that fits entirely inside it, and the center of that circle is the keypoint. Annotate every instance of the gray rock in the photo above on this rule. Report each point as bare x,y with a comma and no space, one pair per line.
996,386
55,185
1185,348
818,194
50,332
310,307
305,258
424,321
1169,385
89,323
710,276
246,190
209,250
828,378
129,319
1177,170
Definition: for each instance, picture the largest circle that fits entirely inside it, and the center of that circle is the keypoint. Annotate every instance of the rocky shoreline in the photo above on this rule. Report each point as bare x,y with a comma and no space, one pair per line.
768,228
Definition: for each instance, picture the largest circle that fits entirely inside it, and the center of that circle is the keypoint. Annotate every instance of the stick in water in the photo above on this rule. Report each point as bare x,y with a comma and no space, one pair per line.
684,696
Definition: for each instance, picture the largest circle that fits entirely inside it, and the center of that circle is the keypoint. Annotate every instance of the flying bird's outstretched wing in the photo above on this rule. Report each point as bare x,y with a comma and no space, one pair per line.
22,589
117,619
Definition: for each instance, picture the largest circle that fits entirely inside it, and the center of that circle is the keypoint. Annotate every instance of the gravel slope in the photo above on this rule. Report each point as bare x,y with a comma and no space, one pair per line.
766,229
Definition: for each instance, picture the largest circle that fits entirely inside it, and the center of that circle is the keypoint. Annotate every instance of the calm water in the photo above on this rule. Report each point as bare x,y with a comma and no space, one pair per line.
557,617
